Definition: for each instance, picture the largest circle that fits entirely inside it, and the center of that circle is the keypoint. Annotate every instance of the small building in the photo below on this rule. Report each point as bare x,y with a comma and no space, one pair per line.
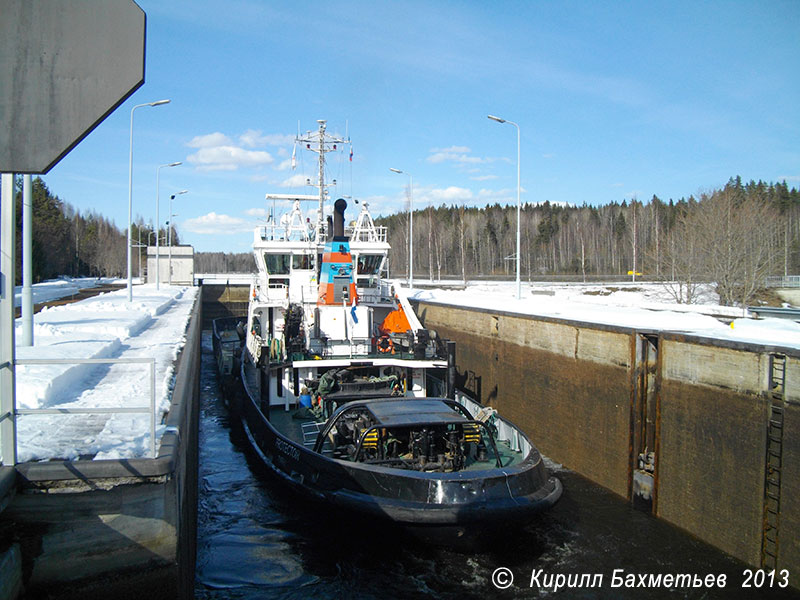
178,259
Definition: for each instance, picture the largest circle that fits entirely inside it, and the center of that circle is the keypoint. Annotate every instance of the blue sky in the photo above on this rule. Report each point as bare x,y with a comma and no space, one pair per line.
614,100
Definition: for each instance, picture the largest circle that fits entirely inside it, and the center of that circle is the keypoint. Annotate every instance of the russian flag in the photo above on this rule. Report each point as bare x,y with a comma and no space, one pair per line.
351,153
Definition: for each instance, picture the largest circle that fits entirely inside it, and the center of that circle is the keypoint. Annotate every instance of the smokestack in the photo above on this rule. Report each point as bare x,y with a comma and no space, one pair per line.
338,219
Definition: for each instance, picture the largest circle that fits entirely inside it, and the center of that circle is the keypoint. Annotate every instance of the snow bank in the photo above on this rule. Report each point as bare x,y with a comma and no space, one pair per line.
105,326
644,306
43,386
58,288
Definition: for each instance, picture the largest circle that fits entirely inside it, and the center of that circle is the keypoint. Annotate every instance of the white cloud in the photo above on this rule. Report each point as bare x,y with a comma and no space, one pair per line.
459,149
253,137
228,158
449,194
218,152
278,139
210,140
503,196
294,181
457,154
483,177
259,213
214,224
285,165
383,205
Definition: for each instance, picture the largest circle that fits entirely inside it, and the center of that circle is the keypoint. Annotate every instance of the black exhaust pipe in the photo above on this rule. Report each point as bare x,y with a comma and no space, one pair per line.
338,220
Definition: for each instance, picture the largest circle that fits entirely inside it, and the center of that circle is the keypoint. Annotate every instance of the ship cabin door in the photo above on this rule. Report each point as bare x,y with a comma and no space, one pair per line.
300,287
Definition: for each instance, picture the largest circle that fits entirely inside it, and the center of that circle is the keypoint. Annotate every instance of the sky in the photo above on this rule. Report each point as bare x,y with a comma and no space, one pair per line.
614,101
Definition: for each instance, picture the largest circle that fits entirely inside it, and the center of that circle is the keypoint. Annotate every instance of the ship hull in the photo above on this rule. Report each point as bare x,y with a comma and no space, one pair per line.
445,505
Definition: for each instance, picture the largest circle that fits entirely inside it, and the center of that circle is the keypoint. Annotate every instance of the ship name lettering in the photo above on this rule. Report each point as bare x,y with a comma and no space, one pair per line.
287,449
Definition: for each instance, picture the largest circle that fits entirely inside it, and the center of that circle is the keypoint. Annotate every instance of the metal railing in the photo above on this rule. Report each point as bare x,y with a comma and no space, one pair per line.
777,281
151,410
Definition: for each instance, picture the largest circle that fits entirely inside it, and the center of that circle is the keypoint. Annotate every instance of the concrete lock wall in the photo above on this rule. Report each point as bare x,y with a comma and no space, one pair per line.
116,528
576,389
542,372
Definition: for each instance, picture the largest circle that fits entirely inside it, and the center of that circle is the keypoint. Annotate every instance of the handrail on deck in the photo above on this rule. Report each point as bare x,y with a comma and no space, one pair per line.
151,410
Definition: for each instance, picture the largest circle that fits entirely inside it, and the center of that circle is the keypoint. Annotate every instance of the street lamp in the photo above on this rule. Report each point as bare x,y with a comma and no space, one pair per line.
519,284
158,174
410,226
169,231
130,191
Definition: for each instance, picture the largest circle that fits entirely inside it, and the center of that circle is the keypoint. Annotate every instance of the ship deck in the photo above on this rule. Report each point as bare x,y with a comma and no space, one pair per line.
304,431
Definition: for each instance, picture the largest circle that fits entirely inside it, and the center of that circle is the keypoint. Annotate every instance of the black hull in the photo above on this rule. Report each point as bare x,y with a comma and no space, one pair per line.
228,373
452,503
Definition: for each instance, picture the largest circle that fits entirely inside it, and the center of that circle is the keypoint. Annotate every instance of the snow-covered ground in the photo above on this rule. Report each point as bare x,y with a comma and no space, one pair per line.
154,325
646,306
105,326
61,288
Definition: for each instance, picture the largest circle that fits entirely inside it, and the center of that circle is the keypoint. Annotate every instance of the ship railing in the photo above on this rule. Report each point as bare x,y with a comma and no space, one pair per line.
276,291
372,234
402,346
506,432
305,293
149,410
380,294
352,348
370,295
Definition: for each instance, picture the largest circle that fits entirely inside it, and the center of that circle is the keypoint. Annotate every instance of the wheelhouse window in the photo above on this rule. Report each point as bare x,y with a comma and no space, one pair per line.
369,264
301,262
277,264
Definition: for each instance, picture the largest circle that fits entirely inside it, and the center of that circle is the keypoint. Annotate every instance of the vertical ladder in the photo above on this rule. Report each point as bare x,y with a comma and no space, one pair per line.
774,462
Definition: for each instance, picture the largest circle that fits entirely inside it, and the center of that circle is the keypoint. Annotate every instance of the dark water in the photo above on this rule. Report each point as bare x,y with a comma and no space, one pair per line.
257,541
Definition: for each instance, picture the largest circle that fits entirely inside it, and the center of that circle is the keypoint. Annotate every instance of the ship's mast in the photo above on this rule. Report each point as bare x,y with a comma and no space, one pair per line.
324,143
322,189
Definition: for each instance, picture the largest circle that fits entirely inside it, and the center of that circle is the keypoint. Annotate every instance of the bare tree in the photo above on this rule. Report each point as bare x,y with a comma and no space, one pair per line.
462,226
738,245
681,258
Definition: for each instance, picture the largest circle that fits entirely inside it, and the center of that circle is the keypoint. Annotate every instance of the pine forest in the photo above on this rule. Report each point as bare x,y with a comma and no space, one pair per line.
733,237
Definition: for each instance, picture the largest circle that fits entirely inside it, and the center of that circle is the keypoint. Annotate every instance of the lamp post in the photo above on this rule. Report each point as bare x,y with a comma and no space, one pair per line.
410,225
158,174
130,191
519,284
169,231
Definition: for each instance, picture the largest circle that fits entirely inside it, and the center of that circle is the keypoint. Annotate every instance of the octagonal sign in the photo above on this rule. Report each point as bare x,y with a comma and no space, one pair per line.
64,67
